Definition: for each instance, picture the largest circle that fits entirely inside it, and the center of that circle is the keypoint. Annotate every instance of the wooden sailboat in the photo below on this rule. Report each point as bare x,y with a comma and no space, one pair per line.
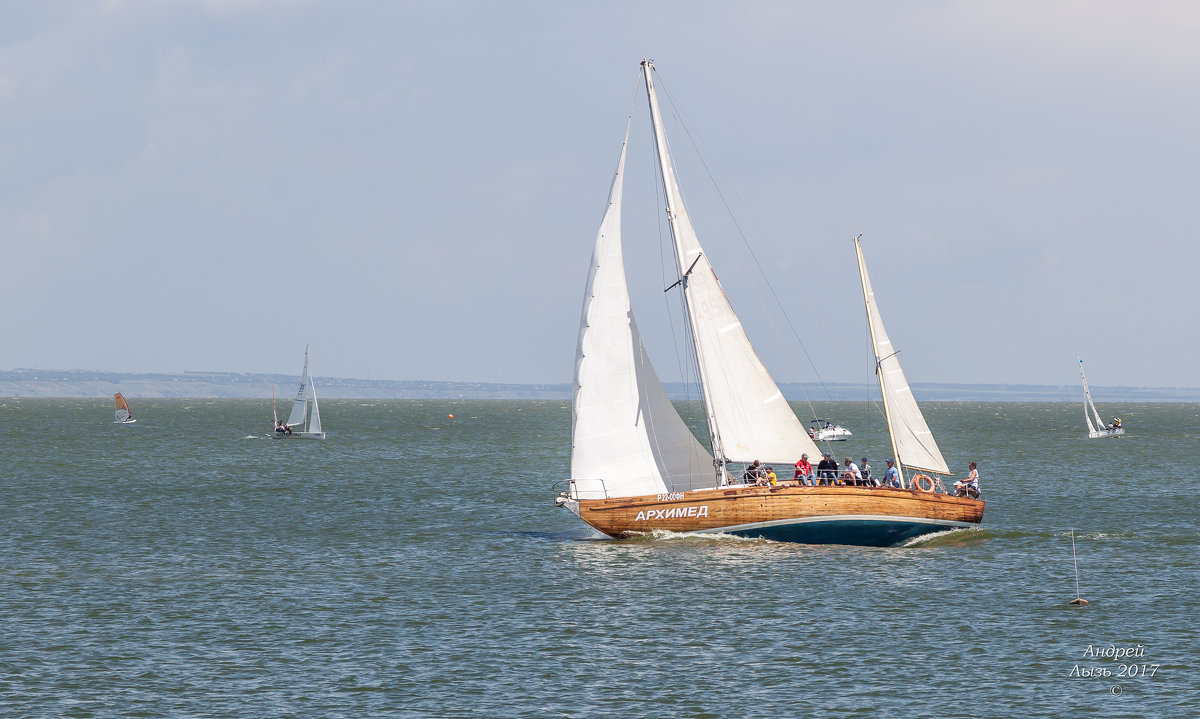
305,414
124,415
1098,429
637,468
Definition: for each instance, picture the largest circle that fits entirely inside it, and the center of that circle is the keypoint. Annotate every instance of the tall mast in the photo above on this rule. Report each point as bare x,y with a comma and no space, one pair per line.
866,283
675,212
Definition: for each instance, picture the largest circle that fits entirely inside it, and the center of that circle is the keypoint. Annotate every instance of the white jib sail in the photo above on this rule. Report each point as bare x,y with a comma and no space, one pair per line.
300,404
627,439
314,424
749,417
1089,404
911,438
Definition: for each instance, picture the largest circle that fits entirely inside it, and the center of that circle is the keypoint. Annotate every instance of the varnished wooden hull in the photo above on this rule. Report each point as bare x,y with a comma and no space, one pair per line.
878,517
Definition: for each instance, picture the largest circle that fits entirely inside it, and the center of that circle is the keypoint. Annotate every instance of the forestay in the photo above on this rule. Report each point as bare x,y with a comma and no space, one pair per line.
627,439
748,416
911,438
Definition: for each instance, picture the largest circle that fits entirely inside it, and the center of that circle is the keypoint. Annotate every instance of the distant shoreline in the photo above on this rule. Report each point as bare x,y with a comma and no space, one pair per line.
27,383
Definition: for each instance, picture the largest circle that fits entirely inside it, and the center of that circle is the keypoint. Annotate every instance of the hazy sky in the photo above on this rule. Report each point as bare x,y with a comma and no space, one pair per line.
414,188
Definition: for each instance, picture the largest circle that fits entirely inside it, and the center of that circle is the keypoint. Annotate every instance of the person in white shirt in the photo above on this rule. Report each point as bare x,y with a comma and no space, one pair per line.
851,475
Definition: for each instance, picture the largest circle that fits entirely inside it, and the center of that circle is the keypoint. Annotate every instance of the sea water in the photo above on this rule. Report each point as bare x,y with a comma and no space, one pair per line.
413,564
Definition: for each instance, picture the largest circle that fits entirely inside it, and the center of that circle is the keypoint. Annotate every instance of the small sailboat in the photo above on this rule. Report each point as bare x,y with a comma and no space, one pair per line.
637,468
1098,429
123,413
823,430
305,414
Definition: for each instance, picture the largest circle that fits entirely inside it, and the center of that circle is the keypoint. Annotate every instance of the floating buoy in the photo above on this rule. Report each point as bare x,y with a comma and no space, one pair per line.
450,416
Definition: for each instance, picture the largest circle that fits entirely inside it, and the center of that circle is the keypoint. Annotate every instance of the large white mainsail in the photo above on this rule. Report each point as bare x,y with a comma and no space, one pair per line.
626,437
1089,404
912,441
300,404
748,416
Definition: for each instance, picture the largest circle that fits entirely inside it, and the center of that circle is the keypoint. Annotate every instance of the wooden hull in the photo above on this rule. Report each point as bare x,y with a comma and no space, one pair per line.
876,517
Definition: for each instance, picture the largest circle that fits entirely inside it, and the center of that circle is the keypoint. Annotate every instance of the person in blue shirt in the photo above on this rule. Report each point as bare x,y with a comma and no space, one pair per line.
891,476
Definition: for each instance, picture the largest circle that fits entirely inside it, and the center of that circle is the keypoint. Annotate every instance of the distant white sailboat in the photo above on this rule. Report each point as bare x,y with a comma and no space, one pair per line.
1099,429
303,415
123,413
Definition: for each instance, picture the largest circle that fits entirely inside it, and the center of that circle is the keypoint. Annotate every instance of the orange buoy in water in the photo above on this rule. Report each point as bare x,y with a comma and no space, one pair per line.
450,416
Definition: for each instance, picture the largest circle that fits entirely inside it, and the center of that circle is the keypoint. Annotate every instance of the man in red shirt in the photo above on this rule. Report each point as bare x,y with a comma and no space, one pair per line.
804,470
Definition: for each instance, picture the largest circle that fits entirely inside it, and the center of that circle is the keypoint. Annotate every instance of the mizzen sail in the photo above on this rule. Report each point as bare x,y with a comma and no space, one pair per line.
912,441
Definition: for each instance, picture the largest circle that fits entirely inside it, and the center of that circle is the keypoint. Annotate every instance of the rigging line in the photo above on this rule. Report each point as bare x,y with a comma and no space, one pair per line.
758,265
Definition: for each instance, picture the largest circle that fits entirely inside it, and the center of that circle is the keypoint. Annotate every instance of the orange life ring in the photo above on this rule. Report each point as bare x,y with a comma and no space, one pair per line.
917,483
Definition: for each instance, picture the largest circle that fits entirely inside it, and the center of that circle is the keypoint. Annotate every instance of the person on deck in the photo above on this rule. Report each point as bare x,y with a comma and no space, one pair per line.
968,487
851,475
804,470
827,469
891,476
771,476
865,470
754,474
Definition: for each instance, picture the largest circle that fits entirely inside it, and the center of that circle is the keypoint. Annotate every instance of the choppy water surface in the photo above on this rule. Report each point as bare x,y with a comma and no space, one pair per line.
411,565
